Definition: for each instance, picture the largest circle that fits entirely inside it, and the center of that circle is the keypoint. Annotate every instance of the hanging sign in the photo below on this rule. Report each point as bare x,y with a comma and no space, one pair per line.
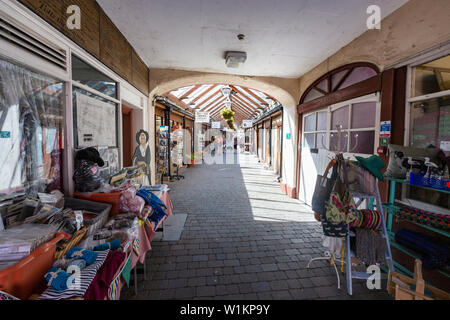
215,125
385,129
247,124
202,117
5,134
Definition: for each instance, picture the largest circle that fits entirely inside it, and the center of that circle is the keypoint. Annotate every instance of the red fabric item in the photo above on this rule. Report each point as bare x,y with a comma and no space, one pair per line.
98,288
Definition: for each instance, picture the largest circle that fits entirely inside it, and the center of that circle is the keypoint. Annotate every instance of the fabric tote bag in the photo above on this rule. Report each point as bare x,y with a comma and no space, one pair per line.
322,191
331,229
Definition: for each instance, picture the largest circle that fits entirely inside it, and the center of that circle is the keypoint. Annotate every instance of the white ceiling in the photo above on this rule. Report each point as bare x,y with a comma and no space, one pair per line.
284,38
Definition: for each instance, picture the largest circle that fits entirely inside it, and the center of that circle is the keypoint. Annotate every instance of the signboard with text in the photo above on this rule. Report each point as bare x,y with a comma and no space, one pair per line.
247,124
215,124
202,117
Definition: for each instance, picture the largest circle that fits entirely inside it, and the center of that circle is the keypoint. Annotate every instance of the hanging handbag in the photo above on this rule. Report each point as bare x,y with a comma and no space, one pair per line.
330,228
323,189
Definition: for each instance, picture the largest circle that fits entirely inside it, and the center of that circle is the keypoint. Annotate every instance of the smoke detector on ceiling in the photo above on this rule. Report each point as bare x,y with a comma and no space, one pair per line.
234,58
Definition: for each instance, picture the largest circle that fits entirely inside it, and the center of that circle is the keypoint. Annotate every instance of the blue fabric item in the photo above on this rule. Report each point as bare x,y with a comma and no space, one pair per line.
435,253
113,245
80,263
57,279
150,196
153,201
79,253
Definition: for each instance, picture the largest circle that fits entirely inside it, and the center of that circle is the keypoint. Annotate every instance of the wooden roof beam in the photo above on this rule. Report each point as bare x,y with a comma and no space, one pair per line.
253,111
248,104
241,110
204,93
250,93
207,101
220,100
187,94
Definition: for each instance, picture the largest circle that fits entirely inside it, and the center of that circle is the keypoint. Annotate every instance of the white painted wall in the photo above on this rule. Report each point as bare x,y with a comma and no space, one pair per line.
289,145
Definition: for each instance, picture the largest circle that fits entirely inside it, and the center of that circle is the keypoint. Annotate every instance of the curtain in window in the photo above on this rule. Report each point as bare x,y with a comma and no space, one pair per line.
31,125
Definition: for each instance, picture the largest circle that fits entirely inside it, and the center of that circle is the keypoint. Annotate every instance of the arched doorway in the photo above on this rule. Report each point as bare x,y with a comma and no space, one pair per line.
348,96
285,91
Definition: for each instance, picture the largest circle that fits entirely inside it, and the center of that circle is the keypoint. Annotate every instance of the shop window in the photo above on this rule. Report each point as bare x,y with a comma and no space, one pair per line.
429,123
339,117
95,123
315,130
364,115
91,77
357,121
352,119
431,77
340,78
322,121
357,75
31,125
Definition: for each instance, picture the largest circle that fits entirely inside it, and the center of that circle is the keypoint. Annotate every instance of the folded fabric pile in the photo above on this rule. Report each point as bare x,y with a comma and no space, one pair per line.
58,290
113,245
367,219
79,253
58,279
154,219
435,253
129,202
154,207
440,221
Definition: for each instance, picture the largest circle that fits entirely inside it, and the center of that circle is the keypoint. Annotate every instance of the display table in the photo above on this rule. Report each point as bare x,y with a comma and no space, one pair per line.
146,236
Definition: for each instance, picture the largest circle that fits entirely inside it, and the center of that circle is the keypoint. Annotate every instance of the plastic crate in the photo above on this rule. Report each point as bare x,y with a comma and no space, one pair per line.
102,209
21,279
111,198
420,180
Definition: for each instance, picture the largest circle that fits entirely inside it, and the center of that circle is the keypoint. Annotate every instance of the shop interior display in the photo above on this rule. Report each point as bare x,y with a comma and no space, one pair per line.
343,219
162,147
176,152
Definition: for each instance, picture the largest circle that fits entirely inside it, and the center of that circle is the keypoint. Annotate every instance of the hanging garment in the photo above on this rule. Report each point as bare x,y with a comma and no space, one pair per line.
98,289
370,247
334,245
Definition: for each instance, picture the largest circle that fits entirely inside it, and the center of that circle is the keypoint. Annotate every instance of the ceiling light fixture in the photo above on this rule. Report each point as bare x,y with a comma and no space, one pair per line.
234,58
226,91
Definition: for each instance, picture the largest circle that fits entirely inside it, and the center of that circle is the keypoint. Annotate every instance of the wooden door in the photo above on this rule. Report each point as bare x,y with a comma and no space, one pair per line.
127,136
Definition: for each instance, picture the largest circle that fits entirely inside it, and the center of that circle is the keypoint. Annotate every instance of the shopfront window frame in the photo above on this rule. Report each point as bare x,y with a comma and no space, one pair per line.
410,100
347,154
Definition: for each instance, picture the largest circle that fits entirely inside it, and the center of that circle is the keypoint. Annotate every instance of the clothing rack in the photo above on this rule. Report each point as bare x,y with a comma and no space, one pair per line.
359,198
373,200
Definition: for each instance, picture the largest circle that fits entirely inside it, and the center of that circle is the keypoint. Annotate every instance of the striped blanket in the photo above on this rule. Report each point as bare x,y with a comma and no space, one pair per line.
87,275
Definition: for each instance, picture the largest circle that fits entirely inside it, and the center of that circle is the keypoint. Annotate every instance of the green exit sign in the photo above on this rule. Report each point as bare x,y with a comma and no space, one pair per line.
288,136
384,142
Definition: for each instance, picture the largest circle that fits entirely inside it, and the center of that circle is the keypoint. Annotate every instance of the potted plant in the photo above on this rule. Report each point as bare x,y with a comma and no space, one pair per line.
228,116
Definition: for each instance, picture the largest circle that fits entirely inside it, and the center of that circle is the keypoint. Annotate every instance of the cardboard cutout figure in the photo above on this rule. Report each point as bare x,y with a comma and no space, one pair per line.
142,154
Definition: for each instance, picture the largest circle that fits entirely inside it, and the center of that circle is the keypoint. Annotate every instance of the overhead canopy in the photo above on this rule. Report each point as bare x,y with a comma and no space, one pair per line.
245,102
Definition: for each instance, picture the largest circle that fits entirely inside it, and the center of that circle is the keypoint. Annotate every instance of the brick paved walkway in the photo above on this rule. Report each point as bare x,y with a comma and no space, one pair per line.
243,239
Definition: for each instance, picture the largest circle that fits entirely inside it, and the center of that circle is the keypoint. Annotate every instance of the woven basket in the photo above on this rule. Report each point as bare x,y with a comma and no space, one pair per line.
76,238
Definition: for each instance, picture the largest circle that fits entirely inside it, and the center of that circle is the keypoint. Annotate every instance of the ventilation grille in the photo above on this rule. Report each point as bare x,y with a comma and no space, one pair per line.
28,42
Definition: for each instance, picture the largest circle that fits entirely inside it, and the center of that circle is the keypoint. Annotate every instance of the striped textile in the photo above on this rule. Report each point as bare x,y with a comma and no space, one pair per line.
87,275
136,243
114,289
